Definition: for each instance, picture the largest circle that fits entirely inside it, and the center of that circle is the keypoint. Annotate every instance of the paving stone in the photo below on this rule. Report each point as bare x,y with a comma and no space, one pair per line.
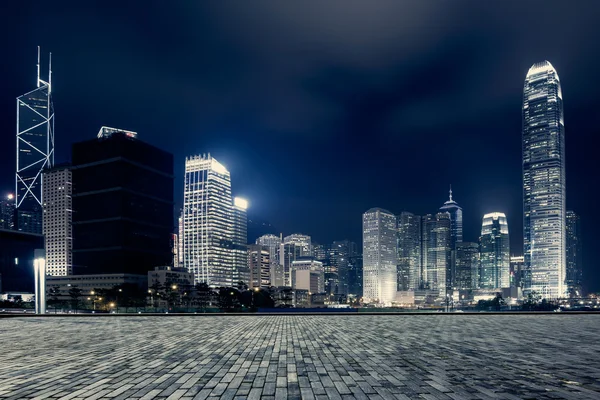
437,357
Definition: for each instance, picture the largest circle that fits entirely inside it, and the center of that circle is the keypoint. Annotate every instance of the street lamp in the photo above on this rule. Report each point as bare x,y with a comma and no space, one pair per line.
111,306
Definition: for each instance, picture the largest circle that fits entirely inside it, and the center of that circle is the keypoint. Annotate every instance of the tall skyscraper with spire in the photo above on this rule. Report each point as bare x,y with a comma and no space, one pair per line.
35,151
544,188
456,220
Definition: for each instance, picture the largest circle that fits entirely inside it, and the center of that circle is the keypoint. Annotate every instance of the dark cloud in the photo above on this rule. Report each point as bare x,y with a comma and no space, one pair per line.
321,110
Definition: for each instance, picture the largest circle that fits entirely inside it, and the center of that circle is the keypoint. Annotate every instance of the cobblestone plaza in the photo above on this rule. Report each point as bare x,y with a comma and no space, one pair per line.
310,357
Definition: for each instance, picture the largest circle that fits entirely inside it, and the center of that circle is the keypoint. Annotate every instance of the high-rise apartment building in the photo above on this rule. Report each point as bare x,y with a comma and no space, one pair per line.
517,272
7,212
574,274
409,251
273,243
35,151
466,266
544,187
57,189
494,252
379,256
240,240
122,206
436,234
208,221
259,265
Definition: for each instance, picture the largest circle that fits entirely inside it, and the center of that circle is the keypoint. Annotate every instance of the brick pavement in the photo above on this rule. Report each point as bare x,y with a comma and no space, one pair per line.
431,357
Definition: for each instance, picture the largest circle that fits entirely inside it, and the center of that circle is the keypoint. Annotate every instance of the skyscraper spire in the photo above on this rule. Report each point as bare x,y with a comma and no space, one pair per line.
450,192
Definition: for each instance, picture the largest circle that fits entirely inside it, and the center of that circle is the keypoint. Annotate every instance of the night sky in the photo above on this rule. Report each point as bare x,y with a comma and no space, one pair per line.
321,110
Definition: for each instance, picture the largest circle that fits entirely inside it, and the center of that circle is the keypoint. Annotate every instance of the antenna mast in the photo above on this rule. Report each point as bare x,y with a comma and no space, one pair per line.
38,68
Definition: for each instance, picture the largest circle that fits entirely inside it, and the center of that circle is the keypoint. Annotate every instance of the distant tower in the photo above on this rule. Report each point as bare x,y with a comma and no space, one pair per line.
544,188
494,252
35,150
379,256
409,251
456,220
574,254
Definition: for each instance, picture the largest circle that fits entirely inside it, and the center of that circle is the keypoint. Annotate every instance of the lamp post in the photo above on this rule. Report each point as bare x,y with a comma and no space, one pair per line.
151,297
119,291
39,266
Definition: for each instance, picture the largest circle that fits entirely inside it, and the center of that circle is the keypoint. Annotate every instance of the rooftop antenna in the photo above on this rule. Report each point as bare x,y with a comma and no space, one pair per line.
50,74
38,68
450,192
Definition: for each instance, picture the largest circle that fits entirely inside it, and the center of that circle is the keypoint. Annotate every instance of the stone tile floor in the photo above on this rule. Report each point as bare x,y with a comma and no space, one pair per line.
312,357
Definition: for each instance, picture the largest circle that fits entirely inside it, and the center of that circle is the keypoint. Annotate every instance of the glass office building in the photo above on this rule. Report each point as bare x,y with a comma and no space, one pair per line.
494,252
379,256
208,222
544,190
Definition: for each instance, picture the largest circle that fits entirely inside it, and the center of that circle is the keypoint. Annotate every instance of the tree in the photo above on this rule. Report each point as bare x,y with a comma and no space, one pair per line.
228,298
532,301
75,294
498,301
53,296
202,295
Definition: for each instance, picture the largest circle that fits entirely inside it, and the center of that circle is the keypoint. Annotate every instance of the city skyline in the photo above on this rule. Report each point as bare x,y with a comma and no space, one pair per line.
284,199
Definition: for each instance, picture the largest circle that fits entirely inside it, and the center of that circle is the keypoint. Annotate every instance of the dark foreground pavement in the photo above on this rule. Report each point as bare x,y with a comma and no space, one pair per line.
329,356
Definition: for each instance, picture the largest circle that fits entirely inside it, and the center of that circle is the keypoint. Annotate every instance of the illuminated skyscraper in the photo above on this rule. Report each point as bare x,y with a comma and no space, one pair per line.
35,151
466,266
437,247
574,254
259,265
241,272
494,256
207,221
273,243
409,251
544,189
456,220
379,256
58,220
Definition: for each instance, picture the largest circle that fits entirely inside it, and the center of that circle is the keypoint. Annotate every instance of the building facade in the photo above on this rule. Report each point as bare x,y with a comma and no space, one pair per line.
259,266
574,273
466,266
304,242
436,272
308,275
379,256
273,243
208,222
409,251
544,186
35,151
7,212
241,273
123,206
57,190
494,252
